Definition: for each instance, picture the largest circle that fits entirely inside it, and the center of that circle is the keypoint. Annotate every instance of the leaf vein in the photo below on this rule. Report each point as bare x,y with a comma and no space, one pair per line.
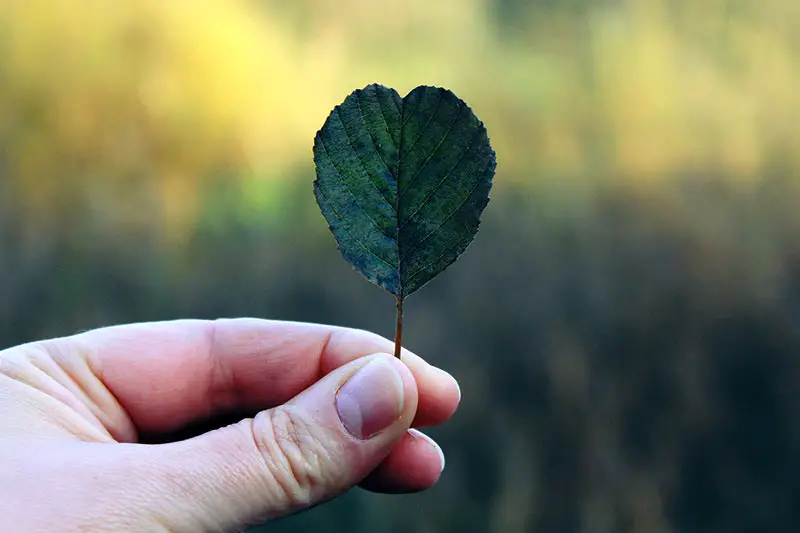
374,144
422,131
356,239
430,156
441,182
452,213
417,272
389,131
396,105
341,178
361,161
405,120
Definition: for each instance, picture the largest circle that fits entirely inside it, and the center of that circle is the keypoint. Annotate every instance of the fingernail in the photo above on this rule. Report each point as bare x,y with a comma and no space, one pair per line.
430,441
371,400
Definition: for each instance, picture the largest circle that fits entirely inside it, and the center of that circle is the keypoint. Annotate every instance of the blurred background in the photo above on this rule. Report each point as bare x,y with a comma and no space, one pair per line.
626,325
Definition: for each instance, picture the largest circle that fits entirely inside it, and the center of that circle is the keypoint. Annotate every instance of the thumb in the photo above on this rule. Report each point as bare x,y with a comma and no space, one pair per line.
311,449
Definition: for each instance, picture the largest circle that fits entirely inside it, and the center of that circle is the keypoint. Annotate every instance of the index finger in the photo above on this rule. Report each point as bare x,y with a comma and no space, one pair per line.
166,375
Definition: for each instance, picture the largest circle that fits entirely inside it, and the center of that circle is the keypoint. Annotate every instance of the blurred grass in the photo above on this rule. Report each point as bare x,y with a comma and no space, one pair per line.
625,326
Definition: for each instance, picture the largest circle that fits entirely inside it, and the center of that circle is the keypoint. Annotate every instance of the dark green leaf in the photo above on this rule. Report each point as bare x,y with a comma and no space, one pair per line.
402,182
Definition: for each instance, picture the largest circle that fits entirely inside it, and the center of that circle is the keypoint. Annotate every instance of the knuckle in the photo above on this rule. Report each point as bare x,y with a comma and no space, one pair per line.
297,461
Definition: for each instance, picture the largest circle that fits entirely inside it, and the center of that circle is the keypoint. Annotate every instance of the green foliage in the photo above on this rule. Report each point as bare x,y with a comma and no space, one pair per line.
402,182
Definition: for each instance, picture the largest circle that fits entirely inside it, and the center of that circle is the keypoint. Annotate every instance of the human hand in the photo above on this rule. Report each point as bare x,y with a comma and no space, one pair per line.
77,414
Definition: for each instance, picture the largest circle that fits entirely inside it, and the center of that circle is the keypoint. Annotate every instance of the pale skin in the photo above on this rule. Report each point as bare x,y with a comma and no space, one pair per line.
79,416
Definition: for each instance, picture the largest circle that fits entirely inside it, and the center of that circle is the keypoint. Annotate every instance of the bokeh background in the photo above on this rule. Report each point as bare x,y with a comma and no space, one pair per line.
626,325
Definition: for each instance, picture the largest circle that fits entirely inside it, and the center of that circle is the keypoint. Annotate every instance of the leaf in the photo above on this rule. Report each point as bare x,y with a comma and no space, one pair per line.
402,182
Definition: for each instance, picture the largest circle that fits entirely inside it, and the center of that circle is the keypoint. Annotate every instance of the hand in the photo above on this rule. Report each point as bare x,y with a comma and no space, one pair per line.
79,416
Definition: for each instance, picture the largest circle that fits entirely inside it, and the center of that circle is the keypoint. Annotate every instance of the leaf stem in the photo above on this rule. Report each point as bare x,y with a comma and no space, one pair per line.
398,331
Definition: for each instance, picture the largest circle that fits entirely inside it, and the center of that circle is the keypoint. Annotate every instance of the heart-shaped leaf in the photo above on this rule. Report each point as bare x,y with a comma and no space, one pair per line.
402,182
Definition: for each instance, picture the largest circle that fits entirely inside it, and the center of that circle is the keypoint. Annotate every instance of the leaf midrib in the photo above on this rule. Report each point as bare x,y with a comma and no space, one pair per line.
400,296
